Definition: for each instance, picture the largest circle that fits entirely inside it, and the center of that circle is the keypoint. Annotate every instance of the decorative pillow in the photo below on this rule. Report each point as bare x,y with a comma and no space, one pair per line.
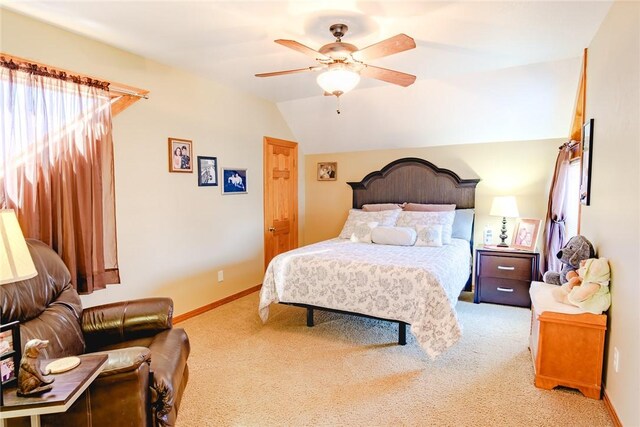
355,215
429,235
362,231
463,224
419,207
397,236
444,218
377,207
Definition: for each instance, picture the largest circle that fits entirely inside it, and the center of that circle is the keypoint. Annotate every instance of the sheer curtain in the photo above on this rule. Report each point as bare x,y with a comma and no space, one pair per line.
554,229
56,167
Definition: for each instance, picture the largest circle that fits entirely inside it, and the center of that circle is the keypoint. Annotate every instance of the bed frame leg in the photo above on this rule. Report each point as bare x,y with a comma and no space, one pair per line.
309,317
402,333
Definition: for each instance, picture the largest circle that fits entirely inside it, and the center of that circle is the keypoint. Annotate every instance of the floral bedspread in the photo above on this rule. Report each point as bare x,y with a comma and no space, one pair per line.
416,285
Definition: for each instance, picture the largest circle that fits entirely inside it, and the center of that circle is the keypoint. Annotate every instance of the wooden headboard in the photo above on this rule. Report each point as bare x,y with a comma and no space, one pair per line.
414,180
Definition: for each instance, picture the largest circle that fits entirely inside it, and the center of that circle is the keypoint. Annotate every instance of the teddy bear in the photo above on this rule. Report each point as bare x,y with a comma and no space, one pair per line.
588,288
578,248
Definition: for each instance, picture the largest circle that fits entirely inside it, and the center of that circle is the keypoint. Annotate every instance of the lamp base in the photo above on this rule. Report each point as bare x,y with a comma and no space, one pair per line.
503,234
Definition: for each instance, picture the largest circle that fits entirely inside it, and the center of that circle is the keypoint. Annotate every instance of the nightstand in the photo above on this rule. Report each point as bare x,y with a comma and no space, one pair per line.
503,276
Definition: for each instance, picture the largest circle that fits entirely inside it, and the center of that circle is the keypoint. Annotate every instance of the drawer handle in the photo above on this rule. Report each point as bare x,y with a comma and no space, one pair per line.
505,289
502,267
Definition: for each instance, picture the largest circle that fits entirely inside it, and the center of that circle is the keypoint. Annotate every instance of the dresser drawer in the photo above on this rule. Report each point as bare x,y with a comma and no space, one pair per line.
505,267
504,291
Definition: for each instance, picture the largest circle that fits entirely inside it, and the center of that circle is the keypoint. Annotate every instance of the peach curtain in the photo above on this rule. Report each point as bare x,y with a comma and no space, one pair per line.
56,167
554,236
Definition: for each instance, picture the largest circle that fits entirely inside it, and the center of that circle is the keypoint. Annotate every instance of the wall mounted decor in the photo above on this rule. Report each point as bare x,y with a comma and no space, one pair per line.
587,156
327,171
234,181
180,154
207,171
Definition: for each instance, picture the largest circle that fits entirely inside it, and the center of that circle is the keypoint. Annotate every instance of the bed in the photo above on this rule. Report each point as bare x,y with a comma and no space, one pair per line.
407,285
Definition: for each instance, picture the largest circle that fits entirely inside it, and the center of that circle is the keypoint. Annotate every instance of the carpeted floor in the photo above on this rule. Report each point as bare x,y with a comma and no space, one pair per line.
348,371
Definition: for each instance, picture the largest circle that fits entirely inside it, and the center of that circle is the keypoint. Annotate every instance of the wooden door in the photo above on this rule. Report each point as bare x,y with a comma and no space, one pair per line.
280,197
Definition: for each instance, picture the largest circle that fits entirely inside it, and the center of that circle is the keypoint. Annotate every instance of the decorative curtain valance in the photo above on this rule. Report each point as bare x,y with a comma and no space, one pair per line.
56,167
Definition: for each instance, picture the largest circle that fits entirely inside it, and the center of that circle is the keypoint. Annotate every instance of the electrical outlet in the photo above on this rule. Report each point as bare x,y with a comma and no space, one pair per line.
616,359
221,276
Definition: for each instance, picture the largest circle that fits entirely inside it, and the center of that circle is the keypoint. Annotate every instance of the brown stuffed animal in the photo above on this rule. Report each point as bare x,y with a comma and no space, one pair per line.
31,378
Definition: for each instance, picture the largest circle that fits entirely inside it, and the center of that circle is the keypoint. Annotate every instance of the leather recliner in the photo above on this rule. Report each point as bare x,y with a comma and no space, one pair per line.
146,372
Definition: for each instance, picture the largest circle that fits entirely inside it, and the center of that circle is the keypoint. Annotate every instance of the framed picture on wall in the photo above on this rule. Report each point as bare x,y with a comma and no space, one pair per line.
234,181
587,156
525,235
327,171
207,171
180,154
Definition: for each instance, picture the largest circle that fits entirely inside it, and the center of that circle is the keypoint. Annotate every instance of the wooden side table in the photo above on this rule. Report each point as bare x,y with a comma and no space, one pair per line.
503,276
67,387
567,344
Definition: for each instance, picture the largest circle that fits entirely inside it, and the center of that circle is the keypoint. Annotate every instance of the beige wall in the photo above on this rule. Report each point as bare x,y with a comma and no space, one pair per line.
612,221
522,169
173,236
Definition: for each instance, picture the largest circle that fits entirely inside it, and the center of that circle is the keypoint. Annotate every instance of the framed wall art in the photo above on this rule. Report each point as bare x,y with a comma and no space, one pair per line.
207,171
180,155
327,171
234,181
587,156
525,235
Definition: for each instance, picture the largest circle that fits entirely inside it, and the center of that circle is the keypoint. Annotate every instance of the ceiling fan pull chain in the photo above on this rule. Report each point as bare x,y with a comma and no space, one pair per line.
338,101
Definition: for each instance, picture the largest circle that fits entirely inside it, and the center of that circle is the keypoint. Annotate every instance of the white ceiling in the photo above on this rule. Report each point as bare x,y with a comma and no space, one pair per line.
230,41
486,71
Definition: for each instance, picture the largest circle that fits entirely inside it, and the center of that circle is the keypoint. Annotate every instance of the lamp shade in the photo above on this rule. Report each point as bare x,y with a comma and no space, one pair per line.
15,260
338,80
504,206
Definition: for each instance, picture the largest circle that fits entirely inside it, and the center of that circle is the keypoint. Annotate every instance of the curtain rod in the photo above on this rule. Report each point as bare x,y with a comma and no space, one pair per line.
117,89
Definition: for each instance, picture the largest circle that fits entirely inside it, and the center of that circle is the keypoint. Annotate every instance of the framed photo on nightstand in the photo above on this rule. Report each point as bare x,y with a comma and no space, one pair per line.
525,235
9,355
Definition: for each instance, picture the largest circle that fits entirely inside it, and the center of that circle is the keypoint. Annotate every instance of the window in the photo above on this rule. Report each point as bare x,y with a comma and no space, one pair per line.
573,199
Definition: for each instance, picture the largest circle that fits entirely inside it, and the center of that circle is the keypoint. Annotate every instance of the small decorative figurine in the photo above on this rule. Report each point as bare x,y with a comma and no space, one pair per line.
31,378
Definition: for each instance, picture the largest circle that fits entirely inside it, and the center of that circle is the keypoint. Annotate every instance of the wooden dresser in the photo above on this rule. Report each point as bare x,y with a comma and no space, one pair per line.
504,276
567,344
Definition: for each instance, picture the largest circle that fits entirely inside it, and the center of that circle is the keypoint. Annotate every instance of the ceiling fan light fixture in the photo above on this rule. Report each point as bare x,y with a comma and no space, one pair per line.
338,81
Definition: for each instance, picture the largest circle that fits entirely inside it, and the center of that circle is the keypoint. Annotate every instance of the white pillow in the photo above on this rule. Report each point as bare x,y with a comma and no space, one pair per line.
444,218
362,231
355,215
397,236
429,235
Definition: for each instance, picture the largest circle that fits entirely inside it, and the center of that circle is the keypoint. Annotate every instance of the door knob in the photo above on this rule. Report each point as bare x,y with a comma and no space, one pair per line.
272,229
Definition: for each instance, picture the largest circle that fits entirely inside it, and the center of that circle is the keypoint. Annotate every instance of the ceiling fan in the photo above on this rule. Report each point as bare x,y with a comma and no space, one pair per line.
343,63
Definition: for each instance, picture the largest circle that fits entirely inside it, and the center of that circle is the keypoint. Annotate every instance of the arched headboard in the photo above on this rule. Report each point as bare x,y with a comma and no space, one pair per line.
414,180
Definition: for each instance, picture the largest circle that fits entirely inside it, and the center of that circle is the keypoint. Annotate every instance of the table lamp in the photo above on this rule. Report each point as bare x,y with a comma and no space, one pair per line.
15,260
504,206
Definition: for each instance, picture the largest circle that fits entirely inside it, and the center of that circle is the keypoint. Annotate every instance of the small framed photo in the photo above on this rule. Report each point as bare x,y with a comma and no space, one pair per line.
180,154
10,354
207,171
587,156
525,234
327,171
234,181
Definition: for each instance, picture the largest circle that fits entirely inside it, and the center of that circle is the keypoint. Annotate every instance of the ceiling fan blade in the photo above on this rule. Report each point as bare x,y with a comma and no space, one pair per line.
387,47
292,44
389,76
280,73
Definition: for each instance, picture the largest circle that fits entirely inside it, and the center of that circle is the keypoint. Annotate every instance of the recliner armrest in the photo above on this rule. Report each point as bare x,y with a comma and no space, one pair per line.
112,323
124,360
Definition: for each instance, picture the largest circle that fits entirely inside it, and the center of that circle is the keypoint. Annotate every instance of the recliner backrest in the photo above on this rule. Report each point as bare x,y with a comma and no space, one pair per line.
47,306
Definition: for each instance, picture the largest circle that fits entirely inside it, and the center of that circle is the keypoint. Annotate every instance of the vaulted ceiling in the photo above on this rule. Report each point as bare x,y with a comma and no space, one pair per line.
486,71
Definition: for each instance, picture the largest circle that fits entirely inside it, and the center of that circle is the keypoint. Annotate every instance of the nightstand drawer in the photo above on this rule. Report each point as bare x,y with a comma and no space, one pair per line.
505,267
504,291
